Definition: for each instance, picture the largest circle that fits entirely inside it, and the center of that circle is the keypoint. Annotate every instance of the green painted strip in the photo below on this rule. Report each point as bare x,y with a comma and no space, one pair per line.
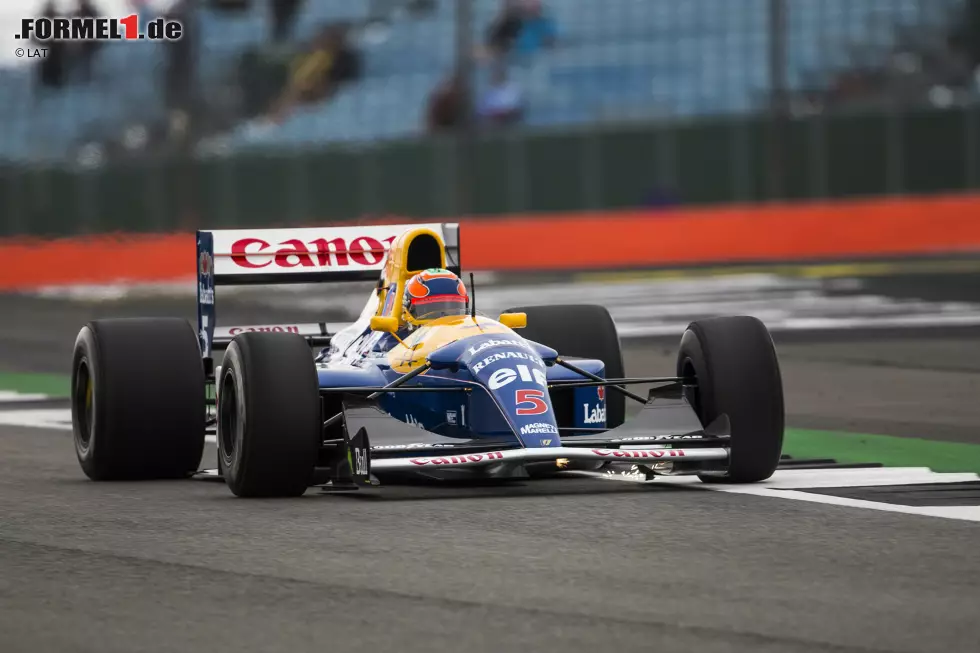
885,449
53,385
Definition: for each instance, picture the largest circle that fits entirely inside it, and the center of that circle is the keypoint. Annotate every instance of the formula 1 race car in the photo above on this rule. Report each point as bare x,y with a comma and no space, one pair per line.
397,395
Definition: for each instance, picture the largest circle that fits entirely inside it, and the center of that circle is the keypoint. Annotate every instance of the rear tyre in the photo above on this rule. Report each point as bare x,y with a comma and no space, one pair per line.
582,331
269,418
137,399
734,364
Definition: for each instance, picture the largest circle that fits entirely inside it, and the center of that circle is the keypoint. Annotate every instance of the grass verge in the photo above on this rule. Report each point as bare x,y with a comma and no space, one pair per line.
885,449
53,385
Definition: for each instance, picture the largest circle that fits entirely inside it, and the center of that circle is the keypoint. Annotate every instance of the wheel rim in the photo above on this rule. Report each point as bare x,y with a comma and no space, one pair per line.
228,416
84,404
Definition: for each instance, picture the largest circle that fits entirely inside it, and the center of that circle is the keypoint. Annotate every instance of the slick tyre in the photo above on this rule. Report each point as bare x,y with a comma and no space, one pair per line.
580,331
734,366
269,418
137,399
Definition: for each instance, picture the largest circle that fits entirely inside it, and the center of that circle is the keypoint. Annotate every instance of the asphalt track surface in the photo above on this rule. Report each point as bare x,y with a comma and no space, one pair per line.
565,565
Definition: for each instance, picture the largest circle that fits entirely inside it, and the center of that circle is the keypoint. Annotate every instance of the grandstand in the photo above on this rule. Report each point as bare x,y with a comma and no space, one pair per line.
614,60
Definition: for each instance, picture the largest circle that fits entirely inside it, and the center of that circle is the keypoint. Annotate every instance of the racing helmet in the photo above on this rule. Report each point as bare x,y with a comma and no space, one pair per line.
432,294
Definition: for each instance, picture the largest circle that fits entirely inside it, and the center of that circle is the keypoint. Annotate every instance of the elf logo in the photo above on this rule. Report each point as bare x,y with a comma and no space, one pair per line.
596,416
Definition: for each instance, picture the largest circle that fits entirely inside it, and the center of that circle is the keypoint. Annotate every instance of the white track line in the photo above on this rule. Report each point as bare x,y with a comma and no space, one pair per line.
791,484
45,418
56,419
964,513
8,396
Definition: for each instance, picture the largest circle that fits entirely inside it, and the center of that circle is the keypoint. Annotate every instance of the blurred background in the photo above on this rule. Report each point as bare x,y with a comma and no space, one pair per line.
303,111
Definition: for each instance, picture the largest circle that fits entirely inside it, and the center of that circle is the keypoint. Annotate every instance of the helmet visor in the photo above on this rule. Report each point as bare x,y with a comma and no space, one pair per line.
430,308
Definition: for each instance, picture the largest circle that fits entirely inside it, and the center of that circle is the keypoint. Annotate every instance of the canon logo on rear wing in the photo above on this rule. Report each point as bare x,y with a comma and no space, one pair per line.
361,251
246,255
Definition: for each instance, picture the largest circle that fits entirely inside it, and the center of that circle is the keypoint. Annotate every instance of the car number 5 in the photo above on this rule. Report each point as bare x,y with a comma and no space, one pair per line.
533,397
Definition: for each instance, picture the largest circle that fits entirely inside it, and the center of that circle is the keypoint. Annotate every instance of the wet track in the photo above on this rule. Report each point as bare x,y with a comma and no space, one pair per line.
566,565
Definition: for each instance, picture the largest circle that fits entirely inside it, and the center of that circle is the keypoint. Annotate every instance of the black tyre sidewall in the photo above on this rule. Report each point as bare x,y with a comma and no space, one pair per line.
96,467
737,374
277,402
229,463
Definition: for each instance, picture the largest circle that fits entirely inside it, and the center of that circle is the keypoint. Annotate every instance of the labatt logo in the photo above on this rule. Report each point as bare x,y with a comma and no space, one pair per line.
493,342
596,415
205,295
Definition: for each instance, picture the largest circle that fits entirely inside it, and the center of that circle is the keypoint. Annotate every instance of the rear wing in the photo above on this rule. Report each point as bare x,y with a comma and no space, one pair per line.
235,257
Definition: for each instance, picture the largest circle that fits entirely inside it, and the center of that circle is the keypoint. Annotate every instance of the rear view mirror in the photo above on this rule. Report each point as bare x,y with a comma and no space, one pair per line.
384,324
513,320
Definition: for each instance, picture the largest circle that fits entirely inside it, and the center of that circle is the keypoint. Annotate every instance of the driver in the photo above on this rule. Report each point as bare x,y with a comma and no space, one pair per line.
432,294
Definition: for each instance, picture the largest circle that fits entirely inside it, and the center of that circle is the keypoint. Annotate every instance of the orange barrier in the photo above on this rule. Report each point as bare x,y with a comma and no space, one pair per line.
785,232
29,263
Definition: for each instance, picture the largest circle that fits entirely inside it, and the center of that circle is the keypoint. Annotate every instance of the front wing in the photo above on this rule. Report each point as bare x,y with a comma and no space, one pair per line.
666,430
548,454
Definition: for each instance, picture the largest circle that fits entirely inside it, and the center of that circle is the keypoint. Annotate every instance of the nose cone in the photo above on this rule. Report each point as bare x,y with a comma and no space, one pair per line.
511,369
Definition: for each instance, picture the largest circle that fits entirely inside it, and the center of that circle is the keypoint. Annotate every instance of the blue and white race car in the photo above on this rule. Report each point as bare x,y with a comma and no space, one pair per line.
420,384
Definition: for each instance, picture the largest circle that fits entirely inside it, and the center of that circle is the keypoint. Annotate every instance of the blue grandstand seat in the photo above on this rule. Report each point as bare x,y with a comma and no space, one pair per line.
614,58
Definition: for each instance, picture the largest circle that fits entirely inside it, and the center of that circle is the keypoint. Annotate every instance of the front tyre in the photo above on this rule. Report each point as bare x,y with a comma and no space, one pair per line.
269,419
733,363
